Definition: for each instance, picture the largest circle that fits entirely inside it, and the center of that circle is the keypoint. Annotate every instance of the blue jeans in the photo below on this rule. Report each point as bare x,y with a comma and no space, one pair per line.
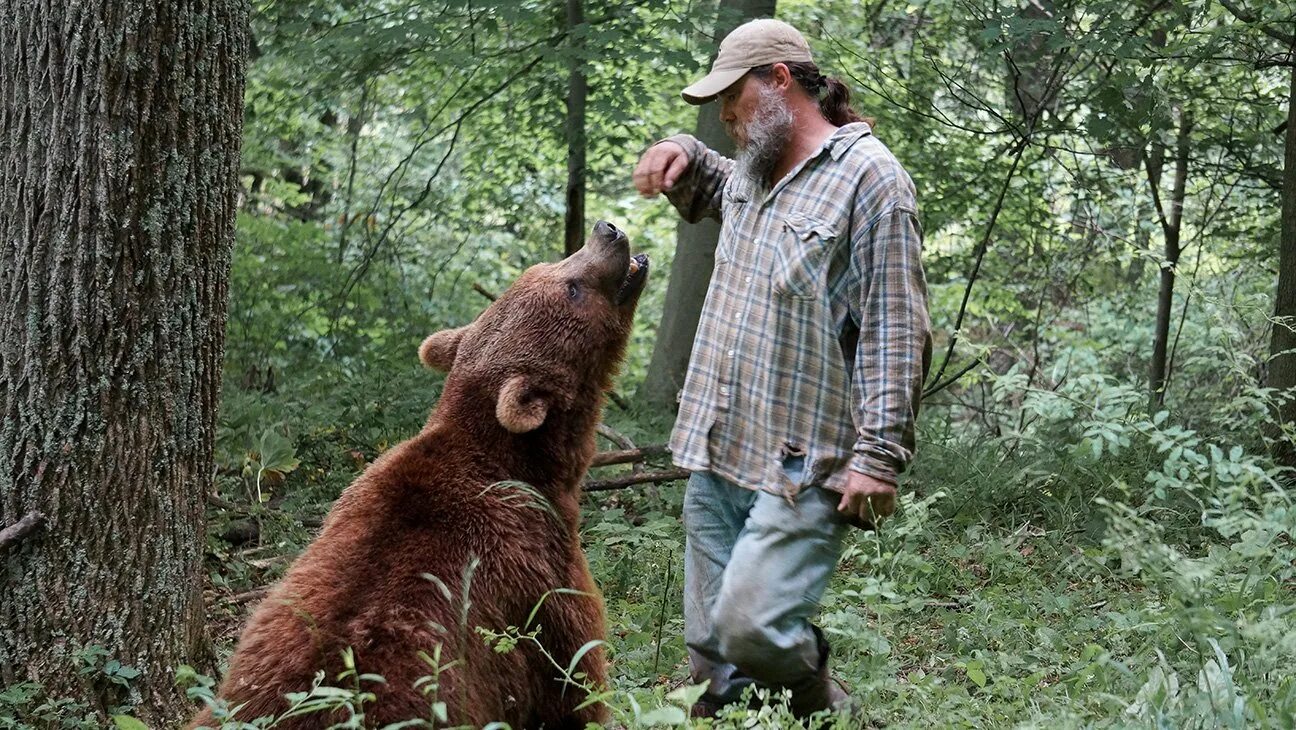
755,567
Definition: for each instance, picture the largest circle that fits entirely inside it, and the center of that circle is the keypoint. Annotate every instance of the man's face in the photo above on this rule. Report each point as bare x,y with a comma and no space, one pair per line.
737,105
757,117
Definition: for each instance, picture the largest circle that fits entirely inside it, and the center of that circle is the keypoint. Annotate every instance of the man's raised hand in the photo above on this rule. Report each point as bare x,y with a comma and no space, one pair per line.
659,168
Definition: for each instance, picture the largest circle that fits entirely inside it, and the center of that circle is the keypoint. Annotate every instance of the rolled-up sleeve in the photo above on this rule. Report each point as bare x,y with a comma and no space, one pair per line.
894,348
698,192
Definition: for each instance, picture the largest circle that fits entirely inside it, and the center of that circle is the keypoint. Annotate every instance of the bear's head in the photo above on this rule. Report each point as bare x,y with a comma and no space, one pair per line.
548,347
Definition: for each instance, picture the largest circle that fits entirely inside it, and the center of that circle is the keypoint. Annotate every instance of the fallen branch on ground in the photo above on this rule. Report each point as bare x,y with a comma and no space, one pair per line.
628,456
616,437
246,596
629,480
216,500
620,439
247,530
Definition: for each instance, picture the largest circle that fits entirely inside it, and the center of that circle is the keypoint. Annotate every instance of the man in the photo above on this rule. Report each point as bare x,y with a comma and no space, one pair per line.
797,412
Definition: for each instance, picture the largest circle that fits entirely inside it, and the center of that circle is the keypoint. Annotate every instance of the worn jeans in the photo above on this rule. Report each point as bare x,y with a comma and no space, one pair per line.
755,567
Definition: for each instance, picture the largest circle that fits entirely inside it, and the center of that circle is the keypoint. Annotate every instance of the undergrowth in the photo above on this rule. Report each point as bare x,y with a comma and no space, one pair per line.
1089,565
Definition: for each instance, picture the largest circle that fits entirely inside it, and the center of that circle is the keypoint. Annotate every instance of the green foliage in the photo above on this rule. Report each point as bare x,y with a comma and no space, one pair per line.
29,706
96,661
25,706
1063,556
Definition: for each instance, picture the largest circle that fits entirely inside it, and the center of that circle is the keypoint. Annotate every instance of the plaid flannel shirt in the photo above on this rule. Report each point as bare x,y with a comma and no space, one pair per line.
814,339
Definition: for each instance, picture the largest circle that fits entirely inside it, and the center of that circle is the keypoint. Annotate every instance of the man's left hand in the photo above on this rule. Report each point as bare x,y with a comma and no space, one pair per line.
866,499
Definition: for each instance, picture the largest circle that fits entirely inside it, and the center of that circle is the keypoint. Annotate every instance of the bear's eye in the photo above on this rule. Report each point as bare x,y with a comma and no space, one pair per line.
573,290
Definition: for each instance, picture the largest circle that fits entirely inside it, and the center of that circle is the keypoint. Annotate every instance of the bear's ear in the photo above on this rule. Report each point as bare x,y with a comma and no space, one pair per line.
519,408
438,350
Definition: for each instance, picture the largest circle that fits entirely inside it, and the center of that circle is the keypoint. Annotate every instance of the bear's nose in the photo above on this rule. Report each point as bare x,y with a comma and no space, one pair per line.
608,231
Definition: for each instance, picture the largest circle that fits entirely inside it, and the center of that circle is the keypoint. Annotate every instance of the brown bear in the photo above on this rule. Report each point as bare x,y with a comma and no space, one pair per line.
483,500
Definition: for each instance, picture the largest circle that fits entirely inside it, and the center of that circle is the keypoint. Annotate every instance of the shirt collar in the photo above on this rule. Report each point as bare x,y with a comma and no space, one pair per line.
844,137
836,145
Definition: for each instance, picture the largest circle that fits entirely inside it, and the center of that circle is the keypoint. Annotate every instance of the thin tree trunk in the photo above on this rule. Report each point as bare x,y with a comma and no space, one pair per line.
695,247
1282,359
1171,222
355,125
576,91
1028,65
118,188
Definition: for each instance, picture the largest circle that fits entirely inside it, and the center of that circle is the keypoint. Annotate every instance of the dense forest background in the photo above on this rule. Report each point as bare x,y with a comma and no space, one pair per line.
1097,529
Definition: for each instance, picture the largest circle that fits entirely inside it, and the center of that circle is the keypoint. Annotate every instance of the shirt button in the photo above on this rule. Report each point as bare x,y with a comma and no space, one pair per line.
724,390
749,280
731,353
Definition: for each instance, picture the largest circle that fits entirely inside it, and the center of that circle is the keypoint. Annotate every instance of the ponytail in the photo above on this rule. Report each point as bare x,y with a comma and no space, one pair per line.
835,103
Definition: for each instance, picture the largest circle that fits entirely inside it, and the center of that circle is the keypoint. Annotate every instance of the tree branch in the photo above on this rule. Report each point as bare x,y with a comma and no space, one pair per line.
953,378
20,529
629,480
615,436
1242,15
980,254
628,456
358,272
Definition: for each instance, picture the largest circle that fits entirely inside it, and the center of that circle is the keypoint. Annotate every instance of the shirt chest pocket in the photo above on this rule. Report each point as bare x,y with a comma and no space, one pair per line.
800,256
734,205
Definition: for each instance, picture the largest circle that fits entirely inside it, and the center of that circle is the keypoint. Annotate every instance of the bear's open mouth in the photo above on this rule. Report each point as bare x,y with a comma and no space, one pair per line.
634,280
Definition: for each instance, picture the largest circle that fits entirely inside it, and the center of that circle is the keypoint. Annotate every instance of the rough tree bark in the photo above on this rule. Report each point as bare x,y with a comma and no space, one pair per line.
577,88
694,248
1282,345
118,182
1282,359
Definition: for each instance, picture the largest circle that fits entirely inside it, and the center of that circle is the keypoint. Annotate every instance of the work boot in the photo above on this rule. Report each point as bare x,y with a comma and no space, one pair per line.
820,691
817,694
705,707
708,705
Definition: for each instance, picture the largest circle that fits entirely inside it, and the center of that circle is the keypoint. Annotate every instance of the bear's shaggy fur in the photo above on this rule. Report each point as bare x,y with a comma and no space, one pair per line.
485,499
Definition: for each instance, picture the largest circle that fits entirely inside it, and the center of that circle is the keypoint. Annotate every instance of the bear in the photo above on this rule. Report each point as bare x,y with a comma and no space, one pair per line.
472,524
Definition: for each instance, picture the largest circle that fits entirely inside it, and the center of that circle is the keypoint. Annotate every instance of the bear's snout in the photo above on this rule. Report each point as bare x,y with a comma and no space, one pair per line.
609,232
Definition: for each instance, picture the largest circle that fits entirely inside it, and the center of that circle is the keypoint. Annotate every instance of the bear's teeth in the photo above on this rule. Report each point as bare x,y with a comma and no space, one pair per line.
634,267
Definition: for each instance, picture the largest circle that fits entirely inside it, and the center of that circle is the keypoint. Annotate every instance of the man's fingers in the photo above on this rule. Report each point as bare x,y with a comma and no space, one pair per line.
677,166
844,505
882,505
637,177
659,168
643,175
655,176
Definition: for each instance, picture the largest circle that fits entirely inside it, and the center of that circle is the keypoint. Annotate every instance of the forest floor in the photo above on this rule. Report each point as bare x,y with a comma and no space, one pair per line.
975,606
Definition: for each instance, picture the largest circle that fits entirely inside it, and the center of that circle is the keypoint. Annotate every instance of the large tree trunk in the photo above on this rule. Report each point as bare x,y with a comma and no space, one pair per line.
1171,224
576,90
1282,362
121,124
695,246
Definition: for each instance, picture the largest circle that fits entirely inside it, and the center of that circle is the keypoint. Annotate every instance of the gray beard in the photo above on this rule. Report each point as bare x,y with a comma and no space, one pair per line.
766,137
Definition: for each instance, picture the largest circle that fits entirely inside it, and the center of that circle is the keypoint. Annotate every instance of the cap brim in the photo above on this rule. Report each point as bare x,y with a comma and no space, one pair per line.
711,85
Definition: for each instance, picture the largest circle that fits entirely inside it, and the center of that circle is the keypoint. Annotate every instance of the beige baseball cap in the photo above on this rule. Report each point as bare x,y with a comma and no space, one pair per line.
754,43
